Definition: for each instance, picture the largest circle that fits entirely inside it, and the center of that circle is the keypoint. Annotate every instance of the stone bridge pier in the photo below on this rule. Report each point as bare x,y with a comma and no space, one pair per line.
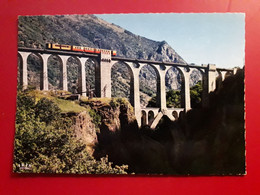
134,68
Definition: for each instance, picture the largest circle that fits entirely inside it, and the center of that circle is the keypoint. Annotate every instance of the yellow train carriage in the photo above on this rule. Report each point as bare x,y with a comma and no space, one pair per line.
79,49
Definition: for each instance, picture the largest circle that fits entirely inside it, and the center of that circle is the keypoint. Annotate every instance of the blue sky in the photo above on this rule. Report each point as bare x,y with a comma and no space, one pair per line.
199,38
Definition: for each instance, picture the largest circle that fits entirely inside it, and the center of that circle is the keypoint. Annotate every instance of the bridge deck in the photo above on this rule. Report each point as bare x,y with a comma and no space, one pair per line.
58,52
81,54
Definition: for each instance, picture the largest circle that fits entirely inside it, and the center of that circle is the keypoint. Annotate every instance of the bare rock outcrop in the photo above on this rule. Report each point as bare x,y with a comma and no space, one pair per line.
85,130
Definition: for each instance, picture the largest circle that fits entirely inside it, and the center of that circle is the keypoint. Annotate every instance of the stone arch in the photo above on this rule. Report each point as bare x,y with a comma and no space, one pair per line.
173,84
55,76
196,87
74,75
143,118
35,70
122,81
175,115
185,87
196,75
149,77
150,117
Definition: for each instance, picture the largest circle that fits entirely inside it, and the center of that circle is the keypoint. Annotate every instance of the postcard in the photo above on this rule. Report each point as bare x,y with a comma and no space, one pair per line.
137,94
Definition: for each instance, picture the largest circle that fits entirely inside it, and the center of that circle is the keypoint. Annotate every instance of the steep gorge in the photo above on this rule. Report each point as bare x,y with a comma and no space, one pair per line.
204,141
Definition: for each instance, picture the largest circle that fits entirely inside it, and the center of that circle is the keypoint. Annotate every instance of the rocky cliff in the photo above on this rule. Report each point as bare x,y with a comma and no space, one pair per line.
85,130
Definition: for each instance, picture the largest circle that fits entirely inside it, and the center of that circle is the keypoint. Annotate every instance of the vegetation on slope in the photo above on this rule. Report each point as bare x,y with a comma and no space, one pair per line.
46,143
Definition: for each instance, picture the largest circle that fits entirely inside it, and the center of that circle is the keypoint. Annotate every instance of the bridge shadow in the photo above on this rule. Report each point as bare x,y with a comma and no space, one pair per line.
204,141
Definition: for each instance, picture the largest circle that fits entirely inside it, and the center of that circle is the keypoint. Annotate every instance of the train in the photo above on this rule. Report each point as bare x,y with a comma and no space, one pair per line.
74,48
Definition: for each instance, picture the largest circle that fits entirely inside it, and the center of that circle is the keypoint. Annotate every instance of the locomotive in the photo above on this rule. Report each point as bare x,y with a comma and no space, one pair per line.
79,49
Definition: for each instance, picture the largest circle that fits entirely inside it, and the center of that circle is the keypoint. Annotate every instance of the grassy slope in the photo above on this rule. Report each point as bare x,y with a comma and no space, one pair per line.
65,105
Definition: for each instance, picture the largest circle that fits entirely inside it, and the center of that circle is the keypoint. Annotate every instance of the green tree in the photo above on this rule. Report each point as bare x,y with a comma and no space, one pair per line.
47,111
173,97
48,144
195,95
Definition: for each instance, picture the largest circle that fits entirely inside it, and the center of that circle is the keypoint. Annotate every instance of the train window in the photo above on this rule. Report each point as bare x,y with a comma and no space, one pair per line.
77,48
55,46
105,51
97,50
88,49
66,47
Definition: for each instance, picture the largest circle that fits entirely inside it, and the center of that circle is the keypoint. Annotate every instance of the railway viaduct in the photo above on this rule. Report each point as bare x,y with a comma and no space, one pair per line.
104,63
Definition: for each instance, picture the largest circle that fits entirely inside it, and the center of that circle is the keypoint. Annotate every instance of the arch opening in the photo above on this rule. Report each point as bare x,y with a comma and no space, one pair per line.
173,82
73,75
90,69
149,87
35,71
196,87
122,81
175,115
150,117
143,118
55,76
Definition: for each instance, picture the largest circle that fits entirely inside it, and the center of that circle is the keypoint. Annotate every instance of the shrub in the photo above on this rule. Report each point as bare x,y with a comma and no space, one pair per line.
96,118
114,103
47,111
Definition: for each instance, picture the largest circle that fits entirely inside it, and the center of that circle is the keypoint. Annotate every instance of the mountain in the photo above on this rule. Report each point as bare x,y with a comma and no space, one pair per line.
91,31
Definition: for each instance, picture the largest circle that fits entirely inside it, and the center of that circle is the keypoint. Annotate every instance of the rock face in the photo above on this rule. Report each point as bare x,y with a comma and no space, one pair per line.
85,130
113,114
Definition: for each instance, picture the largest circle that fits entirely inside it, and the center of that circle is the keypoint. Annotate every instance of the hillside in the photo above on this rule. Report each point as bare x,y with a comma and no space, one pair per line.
89,30
58,135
